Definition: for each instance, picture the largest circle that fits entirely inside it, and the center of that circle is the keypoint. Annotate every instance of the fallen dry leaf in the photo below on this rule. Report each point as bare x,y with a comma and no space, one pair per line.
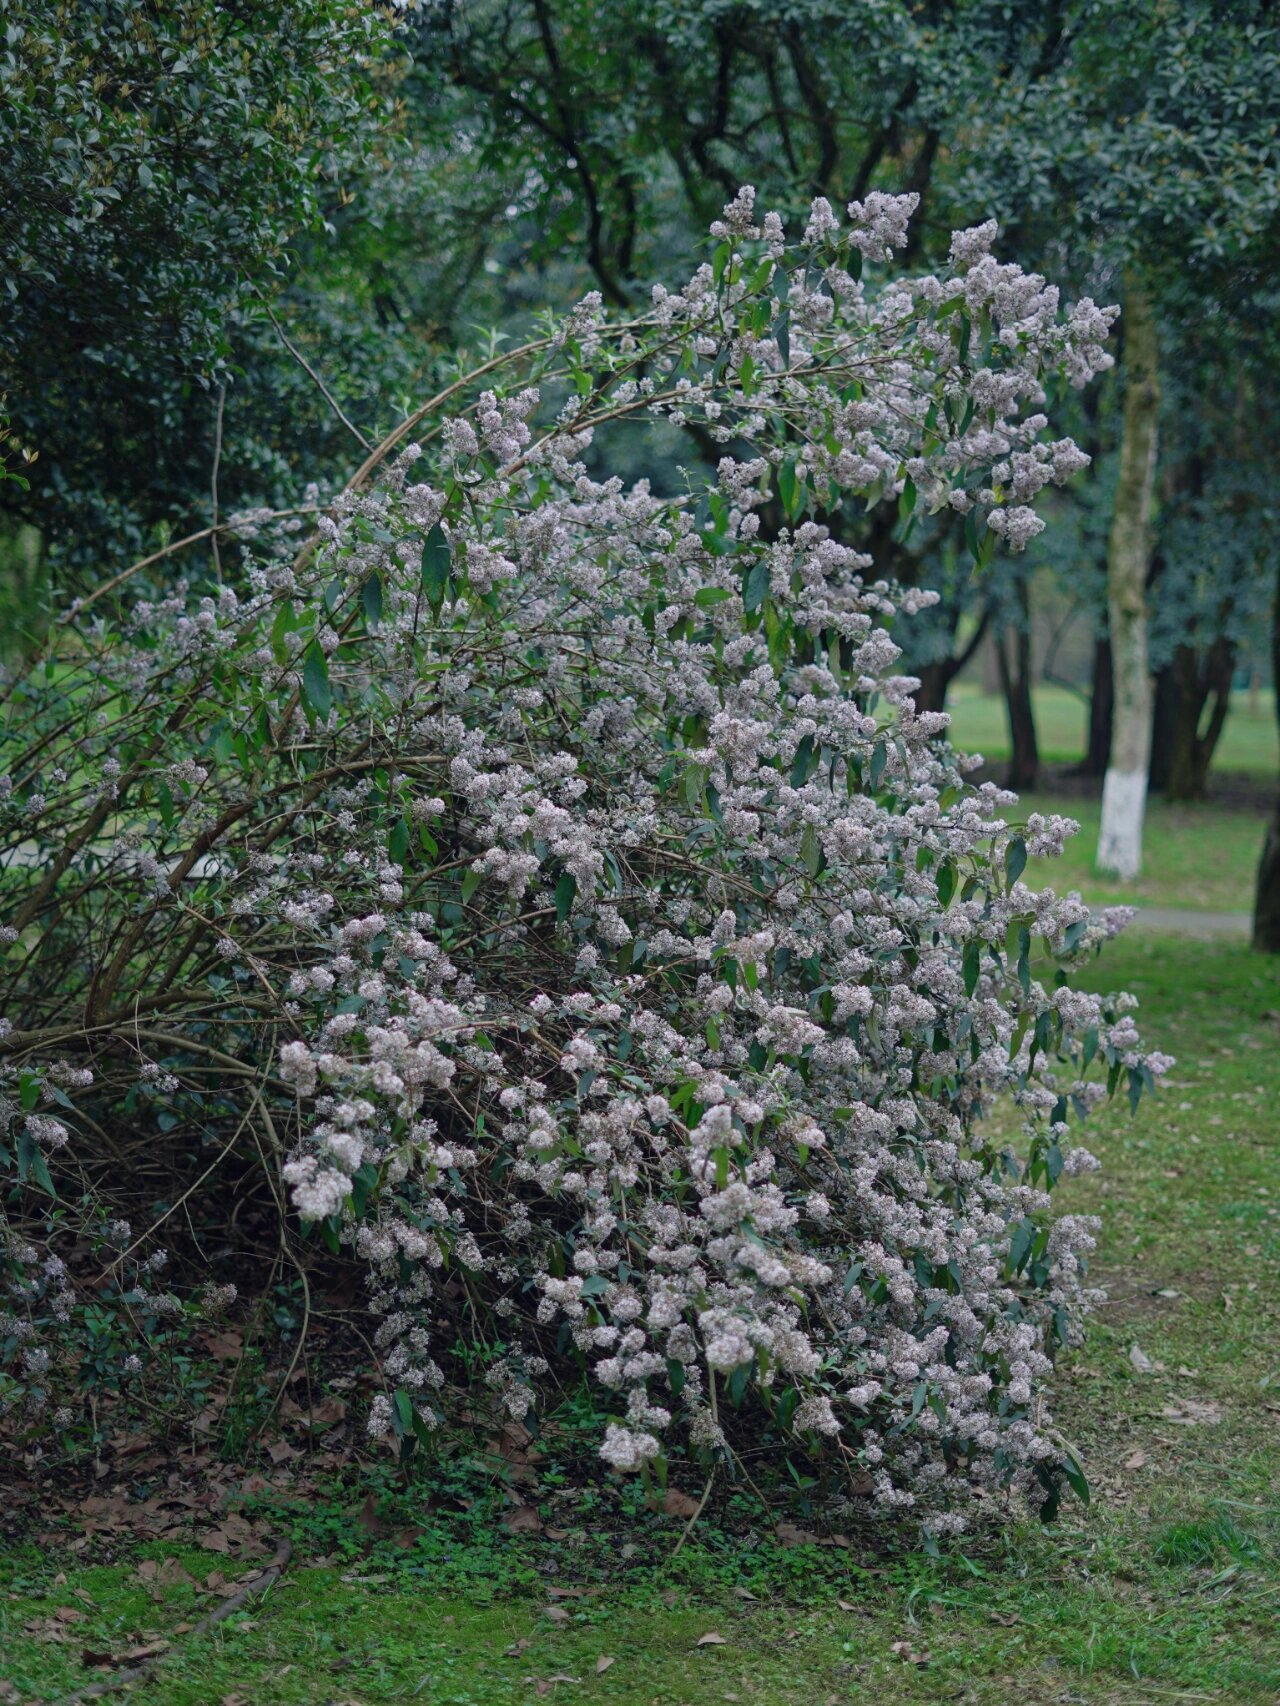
845,1605
603,1663
676,1503
130,1656
524,1519
711,1639
1142,1362
789,1534
1190,1412
556,1613
1137,1461
907,1653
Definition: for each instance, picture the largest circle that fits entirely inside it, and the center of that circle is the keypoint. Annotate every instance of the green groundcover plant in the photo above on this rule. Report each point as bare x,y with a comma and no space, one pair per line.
550,892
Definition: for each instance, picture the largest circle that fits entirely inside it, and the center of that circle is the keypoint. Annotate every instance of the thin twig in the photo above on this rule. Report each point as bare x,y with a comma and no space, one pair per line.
258,1585
213,478
307,368
688,1527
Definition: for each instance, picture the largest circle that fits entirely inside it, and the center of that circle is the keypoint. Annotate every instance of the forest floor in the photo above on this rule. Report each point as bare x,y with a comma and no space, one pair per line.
1166,1587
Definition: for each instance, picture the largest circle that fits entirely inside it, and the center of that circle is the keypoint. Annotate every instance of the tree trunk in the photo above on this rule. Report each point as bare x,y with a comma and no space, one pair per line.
1191,752
1164,728
1266,912
1015,680
1102,700
1124,792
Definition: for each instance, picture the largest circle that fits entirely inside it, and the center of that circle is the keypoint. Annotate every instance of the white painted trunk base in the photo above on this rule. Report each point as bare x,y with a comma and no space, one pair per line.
1124,804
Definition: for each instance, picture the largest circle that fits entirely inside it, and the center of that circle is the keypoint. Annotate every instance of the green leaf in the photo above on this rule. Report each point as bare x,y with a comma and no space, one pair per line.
811,850
566,889
971,963
1015,859
695,782
708,596
802,764
398,841
789,489
371,600
436,564
755,587
316,690
284,623
946,883
1075,1476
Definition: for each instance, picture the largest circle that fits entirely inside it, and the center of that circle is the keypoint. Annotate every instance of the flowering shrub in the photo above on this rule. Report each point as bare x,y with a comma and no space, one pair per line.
554,887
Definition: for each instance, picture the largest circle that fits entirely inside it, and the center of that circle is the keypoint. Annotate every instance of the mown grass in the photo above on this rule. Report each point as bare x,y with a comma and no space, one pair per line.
1167,1587
1200,857
1250,744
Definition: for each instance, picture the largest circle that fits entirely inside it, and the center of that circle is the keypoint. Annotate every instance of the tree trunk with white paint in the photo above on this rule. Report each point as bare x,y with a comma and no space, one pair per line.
1124,792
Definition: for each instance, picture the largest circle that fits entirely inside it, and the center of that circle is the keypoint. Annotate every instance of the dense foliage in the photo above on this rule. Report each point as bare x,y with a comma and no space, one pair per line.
553,889
159,164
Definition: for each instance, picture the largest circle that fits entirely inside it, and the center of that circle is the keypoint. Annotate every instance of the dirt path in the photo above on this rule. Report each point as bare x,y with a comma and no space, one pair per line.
1175,921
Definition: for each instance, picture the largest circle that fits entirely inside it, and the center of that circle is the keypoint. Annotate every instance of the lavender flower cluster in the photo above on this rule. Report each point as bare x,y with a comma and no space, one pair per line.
646,969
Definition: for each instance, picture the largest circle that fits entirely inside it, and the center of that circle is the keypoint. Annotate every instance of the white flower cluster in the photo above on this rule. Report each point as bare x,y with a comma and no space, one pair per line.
647,965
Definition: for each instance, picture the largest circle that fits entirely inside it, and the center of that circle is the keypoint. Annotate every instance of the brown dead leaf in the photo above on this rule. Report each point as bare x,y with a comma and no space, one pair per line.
325,1414
280,1451
557,1533
845,1605
522,1519
1190,1412
711,1639
224,1346
69,1614
789,1534
603,1663
573,1593
517,1647
1137,1461
134,1655
556,1613
676,1503
907,1653
1142,1362
1006,1619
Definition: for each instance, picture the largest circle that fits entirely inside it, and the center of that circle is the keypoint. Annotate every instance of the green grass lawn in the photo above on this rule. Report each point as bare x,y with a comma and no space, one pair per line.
1200,856
1165,1588
1250,744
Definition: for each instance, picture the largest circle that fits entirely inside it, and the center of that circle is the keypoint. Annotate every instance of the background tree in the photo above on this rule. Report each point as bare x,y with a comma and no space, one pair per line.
160,164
